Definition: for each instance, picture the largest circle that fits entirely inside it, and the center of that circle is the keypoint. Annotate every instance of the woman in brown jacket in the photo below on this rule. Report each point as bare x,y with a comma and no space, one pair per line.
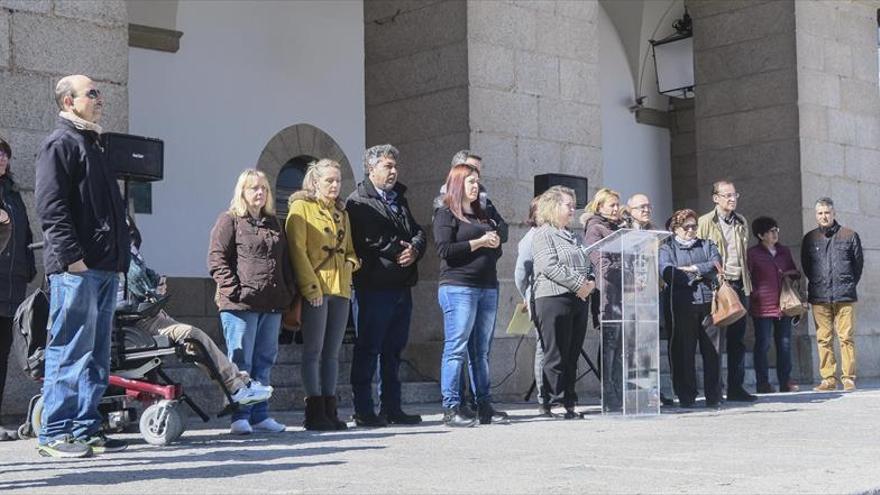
323,258
248,259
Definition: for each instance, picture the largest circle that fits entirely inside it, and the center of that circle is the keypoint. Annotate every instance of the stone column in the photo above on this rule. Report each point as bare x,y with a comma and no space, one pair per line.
787,108
517,83
40,42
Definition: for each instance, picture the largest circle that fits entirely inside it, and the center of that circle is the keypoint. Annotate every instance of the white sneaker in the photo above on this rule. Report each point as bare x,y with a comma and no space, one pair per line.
251,395
269,425
259,386
241,427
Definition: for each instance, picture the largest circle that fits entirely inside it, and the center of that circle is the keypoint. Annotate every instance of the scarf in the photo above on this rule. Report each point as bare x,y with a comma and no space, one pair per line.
684,243
80,123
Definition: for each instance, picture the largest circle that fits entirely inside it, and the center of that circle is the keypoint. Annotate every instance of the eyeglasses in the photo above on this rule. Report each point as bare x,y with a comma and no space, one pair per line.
644,207
775,230
568,207
92,94
3,155
728,195
691,227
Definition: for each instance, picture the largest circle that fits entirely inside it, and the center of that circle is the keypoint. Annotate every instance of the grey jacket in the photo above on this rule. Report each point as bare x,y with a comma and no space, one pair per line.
524,273
562,264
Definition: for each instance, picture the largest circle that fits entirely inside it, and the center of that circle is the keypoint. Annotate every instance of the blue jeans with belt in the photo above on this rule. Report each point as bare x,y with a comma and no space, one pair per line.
468,324
81,310
252,344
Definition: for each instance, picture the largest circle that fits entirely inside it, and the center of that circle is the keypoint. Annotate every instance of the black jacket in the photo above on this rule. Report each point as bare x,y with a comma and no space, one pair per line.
17,266
78,203
377,232
689,288
832,261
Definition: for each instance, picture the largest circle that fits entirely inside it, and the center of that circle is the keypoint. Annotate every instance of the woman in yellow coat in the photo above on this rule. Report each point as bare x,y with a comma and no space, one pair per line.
323,259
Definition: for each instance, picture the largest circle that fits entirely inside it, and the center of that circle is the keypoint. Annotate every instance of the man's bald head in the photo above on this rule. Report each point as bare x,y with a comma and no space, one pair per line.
640,209
79,95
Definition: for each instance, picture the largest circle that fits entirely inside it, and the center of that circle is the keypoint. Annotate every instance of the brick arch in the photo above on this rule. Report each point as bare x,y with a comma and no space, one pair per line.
303,139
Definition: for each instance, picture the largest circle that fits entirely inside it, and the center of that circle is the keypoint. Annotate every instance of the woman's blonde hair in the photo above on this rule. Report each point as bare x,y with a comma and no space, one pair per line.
249,178
602,196
546,210
316,170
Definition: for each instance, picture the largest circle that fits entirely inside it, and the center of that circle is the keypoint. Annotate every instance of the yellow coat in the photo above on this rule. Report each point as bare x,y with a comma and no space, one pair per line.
316,230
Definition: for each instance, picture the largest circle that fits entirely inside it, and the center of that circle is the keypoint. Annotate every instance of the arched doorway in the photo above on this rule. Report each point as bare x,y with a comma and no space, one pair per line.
286,156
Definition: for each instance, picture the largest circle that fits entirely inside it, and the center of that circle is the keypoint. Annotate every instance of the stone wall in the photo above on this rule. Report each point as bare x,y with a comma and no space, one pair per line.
839,103
40,42
516,82
685,191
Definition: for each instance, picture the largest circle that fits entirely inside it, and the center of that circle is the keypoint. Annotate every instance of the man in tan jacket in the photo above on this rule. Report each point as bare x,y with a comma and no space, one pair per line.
730,232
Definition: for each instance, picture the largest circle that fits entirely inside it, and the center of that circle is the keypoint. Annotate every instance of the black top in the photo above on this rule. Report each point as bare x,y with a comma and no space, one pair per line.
17,266
458,264
377,229
79,205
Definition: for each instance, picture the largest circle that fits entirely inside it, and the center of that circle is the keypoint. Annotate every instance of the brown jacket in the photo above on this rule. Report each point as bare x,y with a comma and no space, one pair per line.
248,259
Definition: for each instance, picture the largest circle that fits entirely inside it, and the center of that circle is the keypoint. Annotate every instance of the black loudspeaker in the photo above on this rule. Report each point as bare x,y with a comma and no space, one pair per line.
579,184
134,158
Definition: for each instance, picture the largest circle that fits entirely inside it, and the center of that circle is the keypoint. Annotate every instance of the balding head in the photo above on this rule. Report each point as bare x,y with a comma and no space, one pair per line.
640,209
79,95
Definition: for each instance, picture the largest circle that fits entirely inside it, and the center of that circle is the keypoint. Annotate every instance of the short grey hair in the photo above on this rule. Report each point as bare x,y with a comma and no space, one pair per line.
825,201
376,153
62,89
462,157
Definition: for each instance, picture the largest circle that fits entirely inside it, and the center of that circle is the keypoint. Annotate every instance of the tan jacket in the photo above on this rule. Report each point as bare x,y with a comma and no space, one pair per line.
317,231
708,228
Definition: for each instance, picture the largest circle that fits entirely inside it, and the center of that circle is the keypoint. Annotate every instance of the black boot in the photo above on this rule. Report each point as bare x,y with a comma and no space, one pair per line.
331,413
396,416
370,420
452,417
488,414
316,418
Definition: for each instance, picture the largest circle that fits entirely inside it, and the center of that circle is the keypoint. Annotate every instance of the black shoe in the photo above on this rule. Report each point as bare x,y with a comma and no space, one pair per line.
740,396
666,401
714,404
399,417
546,411
488,415
685,404
370,420
467,411
452,417
570,414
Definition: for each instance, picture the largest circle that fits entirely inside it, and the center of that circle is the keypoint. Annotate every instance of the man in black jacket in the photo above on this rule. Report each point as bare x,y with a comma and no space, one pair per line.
831,256
389,242
86,241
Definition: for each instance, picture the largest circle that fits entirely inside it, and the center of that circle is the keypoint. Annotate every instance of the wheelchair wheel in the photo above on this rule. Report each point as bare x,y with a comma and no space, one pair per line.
31,428
162,423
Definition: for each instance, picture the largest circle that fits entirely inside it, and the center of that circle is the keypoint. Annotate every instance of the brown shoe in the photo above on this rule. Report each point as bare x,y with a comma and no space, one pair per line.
848,385
789,387
765,388
827,385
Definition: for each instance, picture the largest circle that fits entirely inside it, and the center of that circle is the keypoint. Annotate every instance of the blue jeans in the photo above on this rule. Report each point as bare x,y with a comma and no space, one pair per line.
77,353
252,344
781,328
382,320
468,325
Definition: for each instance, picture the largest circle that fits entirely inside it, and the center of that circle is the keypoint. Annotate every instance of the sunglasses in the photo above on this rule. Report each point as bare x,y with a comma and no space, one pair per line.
691,227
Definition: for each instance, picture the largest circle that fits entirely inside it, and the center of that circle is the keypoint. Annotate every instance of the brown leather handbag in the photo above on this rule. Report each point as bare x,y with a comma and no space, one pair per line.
791,303
727,309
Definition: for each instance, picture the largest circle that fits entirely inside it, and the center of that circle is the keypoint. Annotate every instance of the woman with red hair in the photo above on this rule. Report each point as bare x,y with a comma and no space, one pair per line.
469,246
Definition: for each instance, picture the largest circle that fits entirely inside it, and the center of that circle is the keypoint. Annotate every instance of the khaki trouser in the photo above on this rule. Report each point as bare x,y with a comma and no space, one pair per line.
831,317
163,324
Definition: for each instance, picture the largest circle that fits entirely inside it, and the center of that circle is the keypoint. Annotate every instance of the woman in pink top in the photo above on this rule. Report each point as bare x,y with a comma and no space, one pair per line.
768,263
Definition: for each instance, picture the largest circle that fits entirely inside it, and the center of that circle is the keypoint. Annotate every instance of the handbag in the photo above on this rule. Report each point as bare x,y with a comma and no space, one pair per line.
790,301
727,309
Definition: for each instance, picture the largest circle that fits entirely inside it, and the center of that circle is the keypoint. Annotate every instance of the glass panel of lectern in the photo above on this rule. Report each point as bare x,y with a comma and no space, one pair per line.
628,282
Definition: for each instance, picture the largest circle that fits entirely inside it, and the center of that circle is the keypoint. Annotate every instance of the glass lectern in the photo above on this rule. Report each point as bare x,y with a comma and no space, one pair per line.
628,283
